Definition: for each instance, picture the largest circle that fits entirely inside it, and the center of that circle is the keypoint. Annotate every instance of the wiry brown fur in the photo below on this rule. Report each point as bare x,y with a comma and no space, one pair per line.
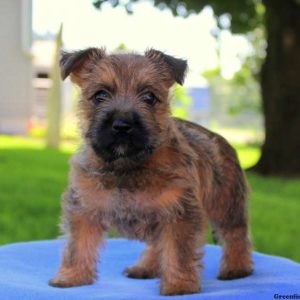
164,194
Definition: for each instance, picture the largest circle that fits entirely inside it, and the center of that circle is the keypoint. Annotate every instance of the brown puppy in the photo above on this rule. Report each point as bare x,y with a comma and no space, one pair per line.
153,177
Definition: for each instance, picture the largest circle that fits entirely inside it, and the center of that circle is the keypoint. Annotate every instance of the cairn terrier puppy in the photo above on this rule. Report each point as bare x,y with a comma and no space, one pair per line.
154,177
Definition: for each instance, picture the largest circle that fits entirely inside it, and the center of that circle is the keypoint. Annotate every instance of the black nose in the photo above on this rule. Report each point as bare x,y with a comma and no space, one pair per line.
121,126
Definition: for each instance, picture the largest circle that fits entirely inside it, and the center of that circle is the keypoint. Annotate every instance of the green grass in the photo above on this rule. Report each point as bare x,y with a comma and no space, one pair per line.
33,178
275,211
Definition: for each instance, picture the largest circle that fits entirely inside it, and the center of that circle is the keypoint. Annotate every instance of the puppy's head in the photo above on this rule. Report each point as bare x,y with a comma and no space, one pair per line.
125,109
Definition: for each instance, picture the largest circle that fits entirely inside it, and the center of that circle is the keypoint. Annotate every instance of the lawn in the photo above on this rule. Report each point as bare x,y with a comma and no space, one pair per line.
32,179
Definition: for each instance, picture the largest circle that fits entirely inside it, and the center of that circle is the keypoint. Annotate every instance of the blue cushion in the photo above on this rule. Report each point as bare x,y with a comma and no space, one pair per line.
25,269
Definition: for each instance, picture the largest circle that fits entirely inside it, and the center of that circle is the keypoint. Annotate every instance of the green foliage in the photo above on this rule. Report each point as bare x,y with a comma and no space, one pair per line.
181,102
244,15
212,73
245,82
122,47
242,93
35,177
245,92
257,40
230,97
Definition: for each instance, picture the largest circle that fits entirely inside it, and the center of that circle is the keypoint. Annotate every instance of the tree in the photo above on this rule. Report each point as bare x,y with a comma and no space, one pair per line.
280,73
54,98
281,89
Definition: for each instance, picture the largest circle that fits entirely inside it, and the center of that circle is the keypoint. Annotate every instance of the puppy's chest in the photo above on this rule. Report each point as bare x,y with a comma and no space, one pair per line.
132,215
136,210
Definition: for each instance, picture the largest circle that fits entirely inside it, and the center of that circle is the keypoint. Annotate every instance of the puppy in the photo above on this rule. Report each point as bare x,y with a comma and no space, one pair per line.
155,178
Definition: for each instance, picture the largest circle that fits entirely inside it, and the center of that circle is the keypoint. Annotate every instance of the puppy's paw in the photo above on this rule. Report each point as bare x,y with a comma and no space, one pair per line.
61,283
179,288
70,279
228,274
139,272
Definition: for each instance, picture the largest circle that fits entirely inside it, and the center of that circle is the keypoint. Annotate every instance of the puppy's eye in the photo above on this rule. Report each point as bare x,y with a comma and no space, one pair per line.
101,96
149,98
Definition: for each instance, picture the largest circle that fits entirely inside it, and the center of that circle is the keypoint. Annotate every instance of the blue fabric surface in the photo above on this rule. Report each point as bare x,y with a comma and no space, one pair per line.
25,269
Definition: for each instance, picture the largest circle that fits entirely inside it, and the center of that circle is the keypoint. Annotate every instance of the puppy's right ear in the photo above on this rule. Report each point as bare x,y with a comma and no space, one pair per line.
79,63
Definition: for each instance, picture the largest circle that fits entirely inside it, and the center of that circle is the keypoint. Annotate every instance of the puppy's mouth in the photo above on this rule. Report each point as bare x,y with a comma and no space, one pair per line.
112,146
122,150
127,146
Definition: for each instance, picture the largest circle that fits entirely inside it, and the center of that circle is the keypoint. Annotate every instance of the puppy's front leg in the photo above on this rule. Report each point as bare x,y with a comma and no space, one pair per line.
80,255
179,259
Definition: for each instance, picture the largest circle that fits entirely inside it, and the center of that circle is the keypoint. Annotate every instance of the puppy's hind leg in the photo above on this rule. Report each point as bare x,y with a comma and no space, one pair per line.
229,216
236,260
147,267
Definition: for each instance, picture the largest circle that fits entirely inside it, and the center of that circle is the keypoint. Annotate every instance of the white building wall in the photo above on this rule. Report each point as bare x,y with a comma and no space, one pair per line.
15,66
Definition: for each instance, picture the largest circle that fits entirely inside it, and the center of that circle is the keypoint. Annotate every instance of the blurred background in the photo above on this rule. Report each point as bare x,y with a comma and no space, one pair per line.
243,82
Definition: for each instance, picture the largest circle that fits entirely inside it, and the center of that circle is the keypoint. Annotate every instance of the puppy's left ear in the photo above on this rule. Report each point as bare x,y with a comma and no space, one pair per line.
78,64
177,67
